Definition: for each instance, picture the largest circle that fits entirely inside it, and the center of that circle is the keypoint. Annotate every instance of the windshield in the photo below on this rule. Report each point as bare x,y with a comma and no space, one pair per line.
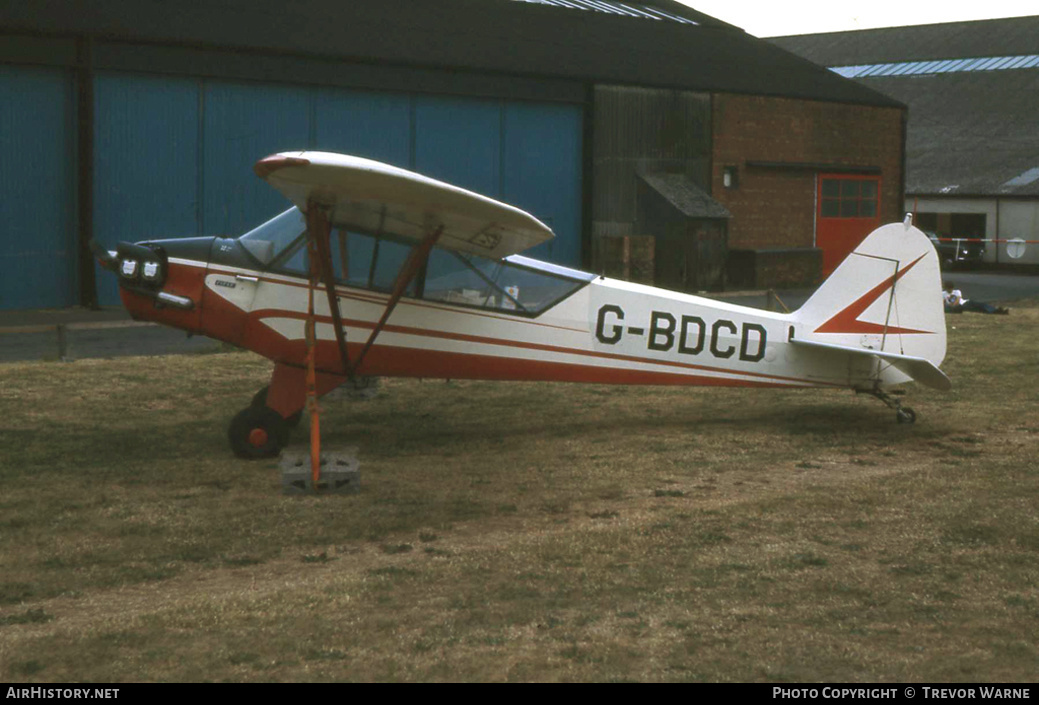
265,241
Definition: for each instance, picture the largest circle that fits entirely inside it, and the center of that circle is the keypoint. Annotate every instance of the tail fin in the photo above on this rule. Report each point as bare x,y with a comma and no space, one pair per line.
885,297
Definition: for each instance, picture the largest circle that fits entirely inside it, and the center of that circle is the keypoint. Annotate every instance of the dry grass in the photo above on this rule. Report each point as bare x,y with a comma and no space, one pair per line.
525,531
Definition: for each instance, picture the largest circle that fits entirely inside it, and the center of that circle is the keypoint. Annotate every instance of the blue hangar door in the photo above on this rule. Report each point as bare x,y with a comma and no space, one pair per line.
37,188
527,154
174,156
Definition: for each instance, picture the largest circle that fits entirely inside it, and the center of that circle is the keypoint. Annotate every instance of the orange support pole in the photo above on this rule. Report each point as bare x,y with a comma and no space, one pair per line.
312,407
311,342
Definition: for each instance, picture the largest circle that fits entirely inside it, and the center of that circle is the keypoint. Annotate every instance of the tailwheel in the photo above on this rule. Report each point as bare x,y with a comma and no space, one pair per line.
257,432
260,399
903,414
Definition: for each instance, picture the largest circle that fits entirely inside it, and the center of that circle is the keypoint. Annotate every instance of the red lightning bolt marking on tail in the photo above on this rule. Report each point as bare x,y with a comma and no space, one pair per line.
847,320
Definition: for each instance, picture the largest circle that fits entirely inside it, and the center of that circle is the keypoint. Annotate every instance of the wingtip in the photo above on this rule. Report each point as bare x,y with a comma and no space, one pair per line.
268,165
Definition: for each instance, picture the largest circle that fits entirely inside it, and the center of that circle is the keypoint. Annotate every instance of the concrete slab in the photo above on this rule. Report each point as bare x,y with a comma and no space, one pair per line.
100,339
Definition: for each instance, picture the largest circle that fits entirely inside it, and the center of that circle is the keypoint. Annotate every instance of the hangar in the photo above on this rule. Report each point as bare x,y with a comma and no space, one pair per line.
131,119
972,155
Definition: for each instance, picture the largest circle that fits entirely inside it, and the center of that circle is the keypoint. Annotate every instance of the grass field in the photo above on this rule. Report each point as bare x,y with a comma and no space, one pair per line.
525,531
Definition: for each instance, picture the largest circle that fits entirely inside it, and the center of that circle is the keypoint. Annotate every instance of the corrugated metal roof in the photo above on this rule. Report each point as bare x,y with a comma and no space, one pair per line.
1024,179
922,68
1014,36
615,8
970,133
524,39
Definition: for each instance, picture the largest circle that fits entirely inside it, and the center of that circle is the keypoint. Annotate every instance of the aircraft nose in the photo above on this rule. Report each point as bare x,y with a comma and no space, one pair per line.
139,265
166,272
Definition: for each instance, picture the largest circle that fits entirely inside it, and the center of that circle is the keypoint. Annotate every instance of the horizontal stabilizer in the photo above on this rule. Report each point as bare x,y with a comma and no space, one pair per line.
920,369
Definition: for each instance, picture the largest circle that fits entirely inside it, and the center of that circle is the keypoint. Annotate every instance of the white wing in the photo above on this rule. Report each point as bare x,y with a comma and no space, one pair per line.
378,198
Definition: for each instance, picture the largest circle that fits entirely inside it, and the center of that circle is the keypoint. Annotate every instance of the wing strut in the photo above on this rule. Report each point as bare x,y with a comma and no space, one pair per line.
320,230
413,265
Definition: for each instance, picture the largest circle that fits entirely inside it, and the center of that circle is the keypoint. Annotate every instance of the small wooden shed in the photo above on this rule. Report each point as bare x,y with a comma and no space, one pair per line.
690,230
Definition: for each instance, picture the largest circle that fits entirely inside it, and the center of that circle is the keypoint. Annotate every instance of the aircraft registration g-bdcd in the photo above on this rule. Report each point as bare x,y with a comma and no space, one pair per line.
401,275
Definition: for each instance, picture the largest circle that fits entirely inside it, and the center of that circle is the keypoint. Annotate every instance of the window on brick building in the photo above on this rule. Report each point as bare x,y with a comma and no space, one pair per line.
849,197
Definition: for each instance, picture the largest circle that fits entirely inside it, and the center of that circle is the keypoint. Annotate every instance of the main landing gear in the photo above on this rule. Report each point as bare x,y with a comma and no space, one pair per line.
903,414
259,431
260,399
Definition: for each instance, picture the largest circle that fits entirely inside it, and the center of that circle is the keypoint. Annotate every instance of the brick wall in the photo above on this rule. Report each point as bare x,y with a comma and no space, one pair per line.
774,207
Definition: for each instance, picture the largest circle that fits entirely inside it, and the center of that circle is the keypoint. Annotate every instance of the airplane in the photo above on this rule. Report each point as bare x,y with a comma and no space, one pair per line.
376,271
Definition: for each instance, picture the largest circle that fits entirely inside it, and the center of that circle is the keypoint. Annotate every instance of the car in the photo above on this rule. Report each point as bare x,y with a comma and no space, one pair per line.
957,252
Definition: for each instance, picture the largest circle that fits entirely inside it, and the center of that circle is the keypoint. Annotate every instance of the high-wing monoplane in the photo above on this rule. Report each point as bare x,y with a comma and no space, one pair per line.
379,271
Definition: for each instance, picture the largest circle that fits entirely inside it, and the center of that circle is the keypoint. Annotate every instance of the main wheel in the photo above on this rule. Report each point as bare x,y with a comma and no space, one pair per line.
905,415
257,432
260,399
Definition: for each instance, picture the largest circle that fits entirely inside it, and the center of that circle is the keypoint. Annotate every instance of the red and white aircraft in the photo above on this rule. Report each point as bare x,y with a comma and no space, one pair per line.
396,274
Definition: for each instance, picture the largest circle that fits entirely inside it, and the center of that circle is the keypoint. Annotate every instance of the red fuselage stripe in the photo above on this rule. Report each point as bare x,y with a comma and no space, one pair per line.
464,337
397,361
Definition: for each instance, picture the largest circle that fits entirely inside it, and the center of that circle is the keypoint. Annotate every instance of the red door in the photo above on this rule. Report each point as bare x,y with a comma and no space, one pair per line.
849,207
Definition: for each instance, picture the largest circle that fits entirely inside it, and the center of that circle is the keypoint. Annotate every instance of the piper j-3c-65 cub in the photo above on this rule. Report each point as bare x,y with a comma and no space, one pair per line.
395,274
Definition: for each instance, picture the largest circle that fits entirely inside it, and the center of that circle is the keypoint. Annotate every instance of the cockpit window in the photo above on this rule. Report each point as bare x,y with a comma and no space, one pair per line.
503,285
515,285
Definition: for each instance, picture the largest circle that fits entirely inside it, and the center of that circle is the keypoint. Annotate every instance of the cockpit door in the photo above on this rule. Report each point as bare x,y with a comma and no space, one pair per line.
230,291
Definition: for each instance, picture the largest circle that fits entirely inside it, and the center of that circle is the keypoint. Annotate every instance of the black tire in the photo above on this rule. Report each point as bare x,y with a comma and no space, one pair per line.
257,432
260,399
905,415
